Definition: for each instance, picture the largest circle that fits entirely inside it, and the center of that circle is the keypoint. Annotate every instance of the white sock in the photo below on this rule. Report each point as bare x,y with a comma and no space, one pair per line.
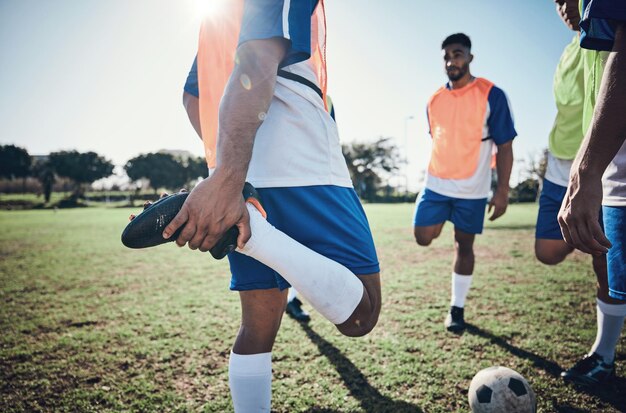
250,381
292,294
329,287
610,322
460,288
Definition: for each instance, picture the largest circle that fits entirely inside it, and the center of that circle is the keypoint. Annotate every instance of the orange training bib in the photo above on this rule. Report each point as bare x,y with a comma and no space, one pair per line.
457,119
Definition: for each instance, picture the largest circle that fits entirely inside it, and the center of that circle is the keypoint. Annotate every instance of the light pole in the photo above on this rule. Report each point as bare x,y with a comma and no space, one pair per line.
406,151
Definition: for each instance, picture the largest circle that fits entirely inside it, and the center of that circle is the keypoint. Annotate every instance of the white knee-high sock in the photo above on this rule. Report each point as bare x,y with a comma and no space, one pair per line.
460,288
250,381
610,323
329,287
292,294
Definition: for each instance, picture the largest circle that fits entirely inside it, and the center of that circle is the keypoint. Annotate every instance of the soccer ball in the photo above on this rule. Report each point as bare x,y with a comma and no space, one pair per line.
500,389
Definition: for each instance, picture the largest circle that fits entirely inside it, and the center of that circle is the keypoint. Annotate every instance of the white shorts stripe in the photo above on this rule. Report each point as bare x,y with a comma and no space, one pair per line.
286,5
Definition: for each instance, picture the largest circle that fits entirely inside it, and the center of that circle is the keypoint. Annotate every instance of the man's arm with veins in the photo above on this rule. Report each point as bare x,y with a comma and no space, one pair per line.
216,203
579,213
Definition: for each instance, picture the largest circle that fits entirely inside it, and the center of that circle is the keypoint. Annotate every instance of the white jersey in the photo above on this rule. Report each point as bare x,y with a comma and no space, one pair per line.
614,180
298,142
557,170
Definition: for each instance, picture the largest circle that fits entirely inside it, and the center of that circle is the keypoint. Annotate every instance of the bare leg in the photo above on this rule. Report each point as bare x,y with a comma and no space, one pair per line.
552,251
464,246
425,235
365,316
599,267
261,314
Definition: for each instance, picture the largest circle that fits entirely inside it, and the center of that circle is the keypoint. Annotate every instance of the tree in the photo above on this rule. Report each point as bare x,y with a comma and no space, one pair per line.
368,163
195,167
534,169
81,168
537,165
163,170
44,172
526,191
14,162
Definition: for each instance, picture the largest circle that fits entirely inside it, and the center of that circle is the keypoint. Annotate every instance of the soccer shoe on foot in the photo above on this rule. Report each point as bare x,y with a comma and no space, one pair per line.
454,321
294,309
589,371
146,229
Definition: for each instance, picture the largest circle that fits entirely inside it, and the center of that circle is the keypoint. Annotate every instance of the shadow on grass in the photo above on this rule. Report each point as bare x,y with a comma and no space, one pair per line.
611,392
371,399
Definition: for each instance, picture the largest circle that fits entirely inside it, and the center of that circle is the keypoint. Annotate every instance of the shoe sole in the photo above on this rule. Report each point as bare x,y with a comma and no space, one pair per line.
455,329
146,229
304,319
584,381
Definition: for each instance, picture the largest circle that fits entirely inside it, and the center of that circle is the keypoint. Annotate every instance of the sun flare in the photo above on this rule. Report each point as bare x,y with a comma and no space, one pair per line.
208,8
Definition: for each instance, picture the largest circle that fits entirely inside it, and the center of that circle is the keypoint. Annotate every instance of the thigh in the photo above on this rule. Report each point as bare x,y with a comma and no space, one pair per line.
425,235
249,274
327,219
261,314
552,251
468,215
431,210
549,204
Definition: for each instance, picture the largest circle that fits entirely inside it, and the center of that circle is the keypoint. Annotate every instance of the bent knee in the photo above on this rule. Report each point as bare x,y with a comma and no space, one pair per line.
424,236
357,329
422,241
549,258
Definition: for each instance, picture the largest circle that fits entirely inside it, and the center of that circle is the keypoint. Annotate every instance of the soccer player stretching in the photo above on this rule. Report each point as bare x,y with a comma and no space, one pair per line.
467,117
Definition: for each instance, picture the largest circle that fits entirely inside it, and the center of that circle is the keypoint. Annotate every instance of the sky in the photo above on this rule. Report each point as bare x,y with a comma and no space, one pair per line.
107,76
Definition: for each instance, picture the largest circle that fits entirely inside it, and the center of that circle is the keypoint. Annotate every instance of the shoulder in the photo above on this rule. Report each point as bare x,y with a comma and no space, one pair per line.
442,90
497,95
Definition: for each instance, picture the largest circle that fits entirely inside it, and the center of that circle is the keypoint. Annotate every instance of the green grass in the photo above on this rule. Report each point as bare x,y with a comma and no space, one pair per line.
88,325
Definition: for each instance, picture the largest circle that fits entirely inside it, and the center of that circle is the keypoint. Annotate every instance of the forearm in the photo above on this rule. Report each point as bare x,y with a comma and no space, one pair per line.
504,165
192,106
246,100
608,127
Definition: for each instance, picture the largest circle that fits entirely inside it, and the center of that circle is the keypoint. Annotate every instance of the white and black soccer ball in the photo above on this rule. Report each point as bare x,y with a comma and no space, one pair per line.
501,390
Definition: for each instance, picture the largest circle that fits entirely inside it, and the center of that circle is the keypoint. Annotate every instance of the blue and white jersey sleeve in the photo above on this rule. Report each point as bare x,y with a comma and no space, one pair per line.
500,121
191,85
597,27
287,19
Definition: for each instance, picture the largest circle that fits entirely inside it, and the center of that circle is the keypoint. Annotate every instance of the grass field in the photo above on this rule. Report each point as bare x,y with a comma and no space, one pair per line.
87,325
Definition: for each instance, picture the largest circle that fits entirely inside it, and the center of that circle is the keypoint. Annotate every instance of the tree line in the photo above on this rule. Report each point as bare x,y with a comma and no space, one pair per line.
161,170
371,165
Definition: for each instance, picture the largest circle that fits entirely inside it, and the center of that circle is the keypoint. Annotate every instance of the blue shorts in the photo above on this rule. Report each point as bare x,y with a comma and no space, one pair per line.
614,219
328,219
549,205
432,208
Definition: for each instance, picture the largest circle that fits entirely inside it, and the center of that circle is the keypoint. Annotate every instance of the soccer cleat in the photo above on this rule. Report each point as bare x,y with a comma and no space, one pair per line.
294,309
146,229
454,321
589,371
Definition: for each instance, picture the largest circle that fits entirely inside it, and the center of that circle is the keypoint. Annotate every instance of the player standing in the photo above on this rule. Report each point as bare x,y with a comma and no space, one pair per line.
467,117
259,106
598,181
